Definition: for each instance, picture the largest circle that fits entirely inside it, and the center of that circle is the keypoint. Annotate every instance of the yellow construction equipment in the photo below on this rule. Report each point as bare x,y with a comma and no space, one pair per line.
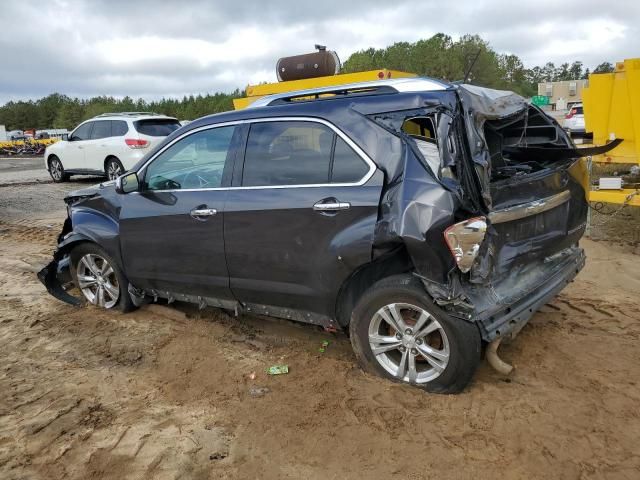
41,141
254,92
612,110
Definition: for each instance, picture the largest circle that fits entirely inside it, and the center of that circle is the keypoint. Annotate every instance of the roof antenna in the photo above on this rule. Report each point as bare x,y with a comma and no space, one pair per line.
475,59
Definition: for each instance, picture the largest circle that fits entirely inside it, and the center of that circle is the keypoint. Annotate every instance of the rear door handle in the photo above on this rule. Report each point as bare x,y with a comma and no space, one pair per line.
202,213
330,207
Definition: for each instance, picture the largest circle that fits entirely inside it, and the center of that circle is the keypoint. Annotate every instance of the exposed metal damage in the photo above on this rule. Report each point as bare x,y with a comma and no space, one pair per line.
505,167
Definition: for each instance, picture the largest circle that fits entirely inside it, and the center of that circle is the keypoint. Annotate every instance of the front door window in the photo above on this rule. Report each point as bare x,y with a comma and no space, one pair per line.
83,132
195,161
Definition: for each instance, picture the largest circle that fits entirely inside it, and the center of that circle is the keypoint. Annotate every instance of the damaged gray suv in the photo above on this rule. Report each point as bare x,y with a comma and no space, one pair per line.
424,218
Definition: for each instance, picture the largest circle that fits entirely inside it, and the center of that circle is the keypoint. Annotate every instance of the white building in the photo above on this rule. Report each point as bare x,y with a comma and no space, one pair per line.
563,94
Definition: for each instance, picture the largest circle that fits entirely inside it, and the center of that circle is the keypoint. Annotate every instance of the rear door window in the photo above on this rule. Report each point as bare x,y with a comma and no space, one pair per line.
287,153
160,127
83,132
348,166
118,128
101,129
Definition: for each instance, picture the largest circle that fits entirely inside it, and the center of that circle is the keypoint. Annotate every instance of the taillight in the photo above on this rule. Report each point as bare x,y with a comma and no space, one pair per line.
464,239
136,143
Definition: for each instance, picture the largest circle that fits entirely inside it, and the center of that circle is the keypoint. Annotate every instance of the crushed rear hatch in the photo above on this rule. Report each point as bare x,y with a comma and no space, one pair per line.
527,167
501,192
535,208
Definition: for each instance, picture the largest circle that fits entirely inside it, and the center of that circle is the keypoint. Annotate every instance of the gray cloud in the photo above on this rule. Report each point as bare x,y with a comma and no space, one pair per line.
154,48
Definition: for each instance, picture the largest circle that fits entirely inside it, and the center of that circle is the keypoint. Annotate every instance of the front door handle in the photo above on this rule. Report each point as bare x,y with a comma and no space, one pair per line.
202,213
330,207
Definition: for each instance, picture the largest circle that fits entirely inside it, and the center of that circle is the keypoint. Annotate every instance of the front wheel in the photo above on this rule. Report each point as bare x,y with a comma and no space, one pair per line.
99,279
399,333
56,170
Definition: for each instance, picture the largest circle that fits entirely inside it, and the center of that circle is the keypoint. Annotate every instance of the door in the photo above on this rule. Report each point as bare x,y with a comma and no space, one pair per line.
302,217
171,231
73,157
96,149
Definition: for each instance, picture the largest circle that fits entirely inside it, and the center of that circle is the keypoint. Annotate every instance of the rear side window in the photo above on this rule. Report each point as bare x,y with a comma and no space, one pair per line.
101,129
579,110
160,127
287,153
422,127
423,132
118,128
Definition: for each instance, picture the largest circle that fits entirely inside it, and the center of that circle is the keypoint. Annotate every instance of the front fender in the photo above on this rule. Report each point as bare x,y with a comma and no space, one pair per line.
97,227
82,225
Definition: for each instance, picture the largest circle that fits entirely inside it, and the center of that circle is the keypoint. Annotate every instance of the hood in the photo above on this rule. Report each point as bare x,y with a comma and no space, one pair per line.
89,192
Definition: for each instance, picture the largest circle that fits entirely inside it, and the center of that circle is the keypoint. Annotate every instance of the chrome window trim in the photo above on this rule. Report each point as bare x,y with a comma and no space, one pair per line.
340,133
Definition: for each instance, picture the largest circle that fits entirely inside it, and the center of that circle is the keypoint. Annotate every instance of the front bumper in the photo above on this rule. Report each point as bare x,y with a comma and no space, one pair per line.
506,317
56,277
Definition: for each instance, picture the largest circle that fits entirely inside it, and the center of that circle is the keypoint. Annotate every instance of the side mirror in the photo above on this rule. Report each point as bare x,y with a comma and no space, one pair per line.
127,183
65,137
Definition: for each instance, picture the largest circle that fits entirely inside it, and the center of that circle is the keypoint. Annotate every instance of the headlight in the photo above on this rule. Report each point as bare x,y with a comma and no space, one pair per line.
464,239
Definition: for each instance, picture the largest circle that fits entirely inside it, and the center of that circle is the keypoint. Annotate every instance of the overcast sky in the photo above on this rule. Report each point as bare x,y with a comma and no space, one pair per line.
161,48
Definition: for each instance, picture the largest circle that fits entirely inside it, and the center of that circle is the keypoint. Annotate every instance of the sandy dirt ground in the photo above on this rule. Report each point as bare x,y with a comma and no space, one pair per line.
167,393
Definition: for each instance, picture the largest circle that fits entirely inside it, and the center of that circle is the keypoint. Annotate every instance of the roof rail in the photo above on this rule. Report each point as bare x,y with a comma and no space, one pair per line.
398,85
127,114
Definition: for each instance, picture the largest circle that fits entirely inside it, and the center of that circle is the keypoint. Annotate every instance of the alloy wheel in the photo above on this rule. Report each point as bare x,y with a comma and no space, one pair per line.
114,170
409,343
98,281
56,169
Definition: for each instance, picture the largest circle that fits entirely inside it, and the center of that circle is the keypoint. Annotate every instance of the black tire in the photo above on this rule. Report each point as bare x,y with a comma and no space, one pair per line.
113,166
56,170
463,337
124,303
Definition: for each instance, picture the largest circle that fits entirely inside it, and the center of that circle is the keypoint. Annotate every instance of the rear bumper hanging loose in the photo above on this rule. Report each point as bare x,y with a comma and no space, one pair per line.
506,318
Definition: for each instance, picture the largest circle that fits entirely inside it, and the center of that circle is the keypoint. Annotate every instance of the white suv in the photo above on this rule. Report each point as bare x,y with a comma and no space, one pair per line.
108,144
574,120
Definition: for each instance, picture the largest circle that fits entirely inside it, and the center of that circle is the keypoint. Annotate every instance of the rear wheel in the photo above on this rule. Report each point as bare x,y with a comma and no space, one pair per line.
399,333
56,170
99,279
113,168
